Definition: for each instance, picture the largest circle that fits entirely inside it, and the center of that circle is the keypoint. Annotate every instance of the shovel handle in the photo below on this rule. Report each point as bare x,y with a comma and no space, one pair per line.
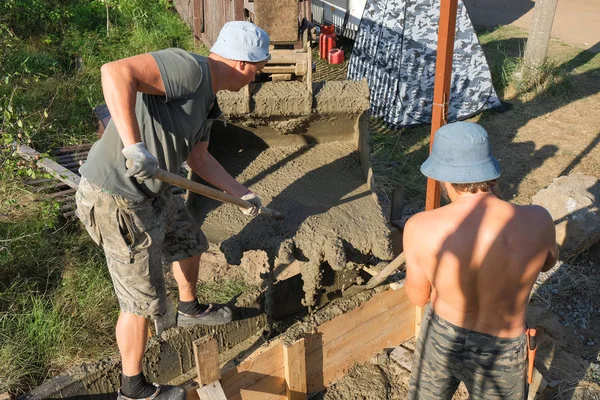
387,271
174,179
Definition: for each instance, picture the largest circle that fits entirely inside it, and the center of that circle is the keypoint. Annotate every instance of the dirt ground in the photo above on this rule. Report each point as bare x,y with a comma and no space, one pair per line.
575,21
551,130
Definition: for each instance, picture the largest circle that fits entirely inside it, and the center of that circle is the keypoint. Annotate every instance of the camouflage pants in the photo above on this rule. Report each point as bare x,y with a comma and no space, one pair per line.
490,367
136,237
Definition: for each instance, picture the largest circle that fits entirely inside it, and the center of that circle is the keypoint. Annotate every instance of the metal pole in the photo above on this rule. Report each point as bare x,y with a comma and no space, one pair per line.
441,90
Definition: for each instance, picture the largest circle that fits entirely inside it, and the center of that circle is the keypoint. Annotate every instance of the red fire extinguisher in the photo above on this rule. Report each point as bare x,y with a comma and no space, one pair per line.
327,40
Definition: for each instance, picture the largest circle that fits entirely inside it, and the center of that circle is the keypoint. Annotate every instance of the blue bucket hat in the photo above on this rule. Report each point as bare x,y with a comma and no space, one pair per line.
461,153
242,41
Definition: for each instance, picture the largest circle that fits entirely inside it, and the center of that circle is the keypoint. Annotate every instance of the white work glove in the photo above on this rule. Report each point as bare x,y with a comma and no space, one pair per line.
254,199
144,165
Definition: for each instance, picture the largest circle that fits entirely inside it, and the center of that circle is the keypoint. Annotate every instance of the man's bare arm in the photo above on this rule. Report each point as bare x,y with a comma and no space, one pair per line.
547,224
121,80
418,287
551,259
209,169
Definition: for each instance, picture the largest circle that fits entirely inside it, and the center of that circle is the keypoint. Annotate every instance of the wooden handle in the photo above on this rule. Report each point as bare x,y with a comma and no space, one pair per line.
199,188
207,191
387,271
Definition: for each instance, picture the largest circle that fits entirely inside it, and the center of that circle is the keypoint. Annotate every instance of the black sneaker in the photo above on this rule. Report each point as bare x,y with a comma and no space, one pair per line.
215,314
164,392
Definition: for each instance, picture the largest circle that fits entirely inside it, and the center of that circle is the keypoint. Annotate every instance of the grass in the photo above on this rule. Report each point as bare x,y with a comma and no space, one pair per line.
55,293
567,74
57,305
221,292
398,155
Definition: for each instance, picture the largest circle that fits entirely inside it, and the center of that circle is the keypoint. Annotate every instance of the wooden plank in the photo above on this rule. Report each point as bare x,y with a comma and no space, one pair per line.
362,354
336,350
206,353
57,170
283,271
333,348
238,10
280,69
537,387
419,311
343,324
281,77
212,391
198,22
271,387
295,370
263,363
309,70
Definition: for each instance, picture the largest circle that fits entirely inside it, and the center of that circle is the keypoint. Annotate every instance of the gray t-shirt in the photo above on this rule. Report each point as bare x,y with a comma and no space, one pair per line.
170,126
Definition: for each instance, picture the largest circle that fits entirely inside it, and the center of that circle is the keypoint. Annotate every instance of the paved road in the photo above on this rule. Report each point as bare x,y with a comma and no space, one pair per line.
577,22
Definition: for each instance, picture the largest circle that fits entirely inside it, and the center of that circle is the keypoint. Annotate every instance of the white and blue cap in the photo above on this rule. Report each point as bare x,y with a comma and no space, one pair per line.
242,41
461,153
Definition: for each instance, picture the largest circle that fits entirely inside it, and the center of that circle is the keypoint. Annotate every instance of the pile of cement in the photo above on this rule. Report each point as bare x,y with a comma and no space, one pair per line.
330,214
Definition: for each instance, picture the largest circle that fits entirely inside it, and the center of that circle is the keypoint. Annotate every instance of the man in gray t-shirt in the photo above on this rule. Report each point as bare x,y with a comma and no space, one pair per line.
162,108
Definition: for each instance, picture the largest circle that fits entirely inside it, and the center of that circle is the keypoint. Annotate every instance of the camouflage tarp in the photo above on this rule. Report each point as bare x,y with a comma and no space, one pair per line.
395,50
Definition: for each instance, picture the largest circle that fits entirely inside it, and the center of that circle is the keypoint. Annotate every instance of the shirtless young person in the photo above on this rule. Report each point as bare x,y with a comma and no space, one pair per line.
476,260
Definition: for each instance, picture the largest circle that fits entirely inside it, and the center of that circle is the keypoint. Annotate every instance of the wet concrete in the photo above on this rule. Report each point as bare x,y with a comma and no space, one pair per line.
301,155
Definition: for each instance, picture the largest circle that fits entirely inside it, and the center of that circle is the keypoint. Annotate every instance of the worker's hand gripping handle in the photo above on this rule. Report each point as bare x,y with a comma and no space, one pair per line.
174,179
531,350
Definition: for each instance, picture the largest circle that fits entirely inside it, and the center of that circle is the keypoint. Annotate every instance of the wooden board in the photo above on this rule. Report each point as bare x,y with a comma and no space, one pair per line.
266,365
385,321
333,360
537,387
294,362
206,353
54,168
212,391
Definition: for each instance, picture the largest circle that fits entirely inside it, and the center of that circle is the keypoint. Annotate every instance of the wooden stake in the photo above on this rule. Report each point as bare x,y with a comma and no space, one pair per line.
309,70
419,311
206,353
441,90
441,100
294,362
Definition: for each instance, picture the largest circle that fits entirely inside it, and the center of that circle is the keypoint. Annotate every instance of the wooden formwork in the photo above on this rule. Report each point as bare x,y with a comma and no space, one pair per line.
311,363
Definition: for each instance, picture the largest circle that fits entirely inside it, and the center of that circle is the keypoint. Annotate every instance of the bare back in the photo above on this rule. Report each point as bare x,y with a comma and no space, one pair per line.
481,256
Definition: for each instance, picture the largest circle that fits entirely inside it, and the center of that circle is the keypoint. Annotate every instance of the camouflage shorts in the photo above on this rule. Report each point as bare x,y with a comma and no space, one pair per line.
137,237
490,367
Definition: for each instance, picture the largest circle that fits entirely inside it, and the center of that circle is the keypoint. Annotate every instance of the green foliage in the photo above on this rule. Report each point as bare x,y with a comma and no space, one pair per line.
55,292
222,291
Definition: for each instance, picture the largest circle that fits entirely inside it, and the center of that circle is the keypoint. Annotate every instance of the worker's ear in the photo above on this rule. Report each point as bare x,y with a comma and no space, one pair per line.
242,65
